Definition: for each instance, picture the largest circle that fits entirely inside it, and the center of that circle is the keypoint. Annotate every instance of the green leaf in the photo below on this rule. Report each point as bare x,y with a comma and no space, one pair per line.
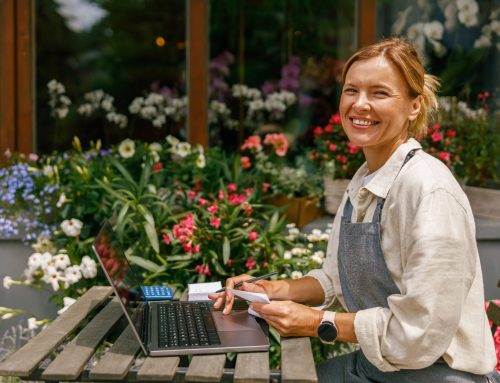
121,169
146,264
173,258
226,250
220,270
152,236
120,221
274,221
146,214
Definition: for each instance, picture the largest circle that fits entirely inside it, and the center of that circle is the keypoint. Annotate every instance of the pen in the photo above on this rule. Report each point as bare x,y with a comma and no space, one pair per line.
251,280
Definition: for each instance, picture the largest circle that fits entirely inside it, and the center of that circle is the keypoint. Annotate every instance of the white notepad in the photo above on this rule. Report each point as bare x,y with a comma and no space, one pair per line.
251,297
200,291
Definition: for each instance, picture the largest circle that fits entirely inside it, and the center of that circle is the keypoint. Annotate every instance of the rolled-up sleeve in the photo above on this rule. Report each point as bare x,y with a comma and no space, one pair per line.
438,266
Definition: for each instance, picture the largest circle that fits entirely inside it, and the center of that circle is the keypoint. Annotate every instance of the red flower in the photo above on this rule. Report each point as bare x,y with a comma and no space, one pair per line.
278,141
158,166
329,129
230,262
436,127
245,162
333,147
202,201
252,143
252,236
445,156
213,209
317,131
436,136
220,195
166,239
265,186
451,133
215,222
335,119
250,263
191,194
231,187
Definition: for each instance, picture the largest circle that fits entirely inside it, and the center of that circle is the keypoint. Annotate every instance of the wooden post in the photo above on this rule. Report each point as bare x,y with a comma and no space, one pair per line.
197,64
16,68
367,22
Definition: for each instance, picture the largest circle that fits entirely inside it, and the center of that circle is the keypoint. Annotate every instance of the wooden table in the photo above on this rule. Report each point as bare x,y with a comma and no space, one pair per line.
124,361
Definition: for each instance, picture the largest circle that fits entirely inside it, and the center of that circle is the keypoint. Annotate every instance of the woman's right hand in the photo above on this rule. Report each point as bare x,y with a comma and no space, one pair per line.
228,297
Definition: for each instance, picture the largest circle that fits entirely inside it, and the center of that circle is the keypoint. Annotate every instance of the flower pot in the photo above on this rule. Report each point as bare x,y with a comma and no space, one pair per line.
299,210
334,191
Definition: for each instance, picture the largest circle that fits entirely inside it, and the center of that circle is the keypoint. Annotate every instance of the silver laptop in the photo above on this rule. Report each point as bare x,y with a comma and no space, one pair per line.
174,327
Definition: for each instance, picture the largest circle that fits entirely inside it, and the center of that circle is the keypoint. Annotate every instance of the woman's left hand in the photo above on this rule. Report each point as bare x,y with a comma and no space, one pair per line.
290,318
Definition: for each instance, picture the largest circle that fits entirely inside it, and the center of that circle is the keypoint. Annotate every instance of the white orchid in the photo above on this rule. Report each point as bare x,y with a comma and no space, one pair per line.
434,30
127,148
72,227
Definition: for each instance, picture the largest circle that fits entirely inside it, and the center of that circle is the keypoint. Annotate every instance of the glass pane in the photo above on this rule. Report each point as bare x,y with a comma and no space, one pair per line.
126,49
293,45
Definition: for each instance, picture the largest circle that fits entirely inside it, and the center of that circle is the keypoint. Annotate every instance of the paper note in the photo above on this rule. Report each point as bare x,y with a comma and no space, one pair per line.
200,291
251,297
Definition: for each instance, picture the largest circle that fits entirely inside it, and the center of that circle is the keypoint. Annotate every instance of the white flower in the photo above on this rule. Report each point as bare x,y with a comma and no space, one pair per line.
415,30
127,148
434,30
61,261
73,274
468,6
32,323
136,105
155,147
62,200
35,261
172,140
88,267
439,49
319,253
67,303
287,255
85,109
450,16
296,275
200,161
159,121
72,227
155,156
107,104
48,171
7,282
62,112
467,18
482,42
317,259
183,149
495,26
53,277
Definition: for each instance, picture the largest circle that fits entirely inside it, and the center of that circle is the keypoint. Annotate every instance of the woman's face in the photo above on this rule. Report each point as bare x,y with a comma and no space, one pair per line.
375,107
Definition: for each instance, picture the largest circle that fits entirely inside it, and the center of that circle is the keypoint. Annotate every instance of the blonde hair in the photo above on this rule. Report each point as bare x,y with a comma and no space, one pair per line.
403,56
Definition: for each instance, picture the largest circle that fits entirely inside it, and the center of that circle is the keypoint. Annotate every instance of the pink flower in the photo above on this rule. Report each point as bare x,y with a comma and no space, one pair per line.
231,187
236,199
215,222
250,263
436,127
196,248
213,209
317,131
166,239
202,202
199,269
281,151
333,147
247,207
353,149
252,236
451,133
436,136
329,129
191,194
335,119
445,156
278,141
230,262
220,195
245,162
33,157
188,248
265,186
252,143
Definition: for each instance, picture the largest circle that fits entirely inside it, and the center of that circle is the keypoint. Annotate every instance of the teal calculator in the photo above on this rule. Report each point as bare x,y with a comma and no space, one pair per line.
156,293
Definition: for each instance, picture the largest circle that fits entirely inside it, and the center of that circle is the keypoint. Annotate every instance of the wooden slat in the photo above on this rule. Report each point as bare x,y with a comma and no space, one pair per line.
252,367
27,358
158,368
72,360
297,362
117,361
367,22
206,368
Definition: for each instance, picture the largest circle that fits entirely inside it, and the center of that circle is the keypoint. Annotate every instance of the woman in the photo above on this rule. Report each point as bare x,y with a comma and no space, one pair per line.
402,257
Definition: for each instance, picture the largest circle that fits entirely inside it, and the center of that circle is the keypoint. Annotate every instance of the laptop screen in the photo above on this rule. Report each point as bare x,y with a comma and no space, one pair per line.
120,275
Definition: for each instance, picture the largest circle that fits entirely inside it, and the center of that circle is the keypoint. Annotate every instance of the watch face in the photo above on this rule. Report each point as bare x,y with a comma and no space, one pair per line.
327,332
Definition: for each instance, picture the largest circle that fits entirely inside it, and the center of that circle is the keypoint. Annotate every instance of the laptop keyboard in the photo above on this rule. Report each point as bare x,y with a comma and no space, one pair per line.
184,324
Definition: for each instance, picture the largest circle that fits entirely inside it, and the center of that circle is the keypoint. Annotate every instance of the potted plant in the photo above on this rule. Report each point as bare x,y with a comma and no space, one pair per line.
337,158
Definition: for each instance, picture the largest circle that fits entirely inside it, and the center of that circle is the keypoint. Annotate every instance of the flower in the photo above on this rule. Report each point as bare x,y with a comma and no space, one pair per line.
245,162
296,274
252,143
61,261
72,227
67,301
250,263
62,200
434,30
127,148
88,267
7,282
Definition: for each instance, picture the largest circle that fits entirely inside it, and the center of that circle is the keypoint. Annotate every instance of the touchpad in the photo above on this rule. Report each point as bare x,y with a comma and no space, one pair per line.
236,321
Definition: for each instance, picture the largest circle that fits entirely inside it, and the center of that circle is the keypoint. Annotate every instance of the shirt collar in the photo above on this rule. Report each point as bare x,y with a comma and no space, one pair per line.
383,180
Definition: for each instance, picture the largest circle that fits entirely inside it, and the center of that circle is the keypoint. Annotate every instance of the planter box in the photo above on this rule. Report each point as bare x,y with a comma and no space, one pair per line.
485,203
13,260
334,191
299,210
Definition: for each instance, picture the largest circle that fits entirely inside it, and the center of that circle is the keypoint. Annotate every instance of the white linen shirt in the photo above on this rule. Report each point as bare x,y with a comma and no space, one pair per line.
429,245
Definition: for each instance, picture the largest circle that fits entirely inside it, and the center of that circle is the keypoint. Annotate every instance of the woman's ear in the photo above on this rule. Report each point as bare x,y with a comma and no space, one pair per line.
416,104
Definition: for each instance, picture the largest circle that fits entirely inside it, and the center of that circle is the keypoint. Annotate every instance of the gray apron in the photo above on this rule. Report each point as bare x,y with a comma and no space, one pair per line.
360,254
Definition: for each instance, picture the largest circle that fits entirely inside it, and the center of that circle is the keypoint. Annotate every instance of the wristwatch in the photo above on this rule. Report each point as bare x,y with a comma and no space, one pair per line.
327,329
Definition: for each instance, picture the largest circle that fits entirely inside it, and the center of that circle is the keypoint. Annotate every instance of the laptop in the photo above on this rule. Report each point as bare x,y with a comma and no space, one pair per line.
172,327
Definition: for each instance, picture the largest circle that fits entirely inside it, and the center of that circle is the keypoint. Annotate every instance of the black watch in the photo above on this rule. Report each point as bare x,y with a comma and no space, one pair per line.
327,329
